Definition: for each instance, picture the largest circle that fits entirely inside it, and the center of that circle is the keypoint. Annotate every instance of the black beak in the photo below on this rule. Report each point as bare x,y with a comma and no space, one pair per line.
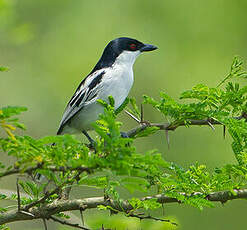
148,47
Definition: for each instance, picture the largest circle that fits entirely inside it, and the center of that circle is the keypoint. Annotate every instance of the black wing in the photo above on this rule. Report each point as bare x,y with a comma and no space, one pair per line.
85,94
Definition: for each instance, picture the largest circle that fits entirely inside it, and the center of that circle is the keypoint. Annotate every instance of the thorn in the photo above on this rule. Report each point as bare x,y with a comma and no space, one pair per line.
142,113
45,224
82,219
18,195
211,126
132,116
224,131
163,209
27,213
141,214
167,138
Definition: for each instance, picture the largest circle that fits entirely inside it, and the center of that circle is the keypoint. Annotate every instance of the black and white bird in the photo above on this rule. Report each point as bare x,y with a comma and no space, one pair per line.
112,75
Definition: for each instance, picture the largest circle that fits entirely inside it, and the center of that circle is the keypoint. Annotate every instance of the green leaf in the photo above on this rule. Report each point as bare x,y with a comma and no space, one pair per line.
2,196
123,106
236,70
102,207
10,111
2,68
111,101
3,226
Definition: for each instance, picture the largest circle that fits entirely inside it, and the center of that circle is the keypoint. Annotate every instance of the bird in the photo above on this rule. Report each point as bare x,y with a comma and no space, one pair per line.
111,76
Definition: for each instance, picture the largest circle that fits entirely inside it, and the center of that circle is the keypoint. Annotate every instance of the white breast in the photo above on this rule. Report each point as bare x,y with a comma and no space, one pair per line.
117,83
119,79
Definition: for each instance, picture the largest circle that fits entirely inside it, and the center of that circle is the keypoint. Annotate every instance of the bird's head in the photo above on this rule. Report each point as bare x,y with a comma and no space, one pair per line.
122,50
128,45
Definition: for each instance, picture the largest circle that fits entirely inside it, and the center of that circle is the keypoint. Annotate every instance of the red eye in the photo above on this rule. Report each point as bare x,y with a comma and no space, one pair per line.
133,46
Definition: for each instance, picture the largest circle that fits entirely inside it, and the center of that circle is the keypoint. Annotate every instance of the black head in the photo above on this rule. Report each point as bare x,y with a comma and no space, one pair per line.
116,47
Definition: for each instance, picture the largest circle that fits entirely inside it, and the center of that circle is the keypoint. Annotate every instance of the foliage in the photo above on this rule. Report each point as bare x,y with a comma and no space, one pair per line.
116,164
2,68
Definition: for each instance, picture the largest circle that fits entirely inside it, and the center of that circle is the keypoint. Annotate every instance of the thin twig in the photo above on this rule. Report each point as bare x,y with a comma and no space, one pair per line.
45,224
18,195
142,113
82,219
141,217
64,222
163,209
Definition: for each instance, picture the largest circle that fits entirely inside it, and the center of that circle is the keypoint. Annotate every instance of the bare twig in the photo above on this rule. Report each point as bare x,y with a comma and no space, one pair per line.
64,222
163,209
142,113
18,195
81,214
142,217
45,224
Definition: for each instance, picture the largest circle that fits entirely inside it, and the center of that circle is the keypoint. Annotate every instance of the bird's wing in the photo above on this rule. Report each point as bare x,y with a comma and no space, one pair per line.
86,93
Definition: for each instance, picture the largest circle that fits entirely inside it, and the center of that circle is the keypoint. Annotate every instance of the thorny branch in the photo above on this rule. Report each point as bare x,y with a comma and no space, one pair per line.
173,125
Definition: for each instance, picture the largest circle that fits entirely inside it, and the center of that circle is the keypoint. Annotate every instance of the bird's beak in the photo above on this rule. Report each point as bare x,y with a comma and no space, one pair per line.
148,47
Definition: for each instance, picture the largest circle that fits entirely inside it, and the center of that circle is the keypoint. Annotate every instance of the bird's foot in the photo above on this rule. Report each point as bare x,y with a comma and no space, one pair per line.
92,145
92,142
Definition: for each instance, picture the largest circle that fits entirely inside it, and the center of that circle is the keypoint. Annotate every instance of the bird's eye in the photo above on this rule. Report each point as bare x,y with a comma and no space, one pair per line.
133,46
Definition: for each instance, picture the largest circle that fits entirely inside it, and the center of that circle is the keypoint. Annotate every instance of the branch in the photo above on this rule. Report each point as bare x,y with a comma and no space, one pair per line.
142,217
46,211
30,170
174,125
64,222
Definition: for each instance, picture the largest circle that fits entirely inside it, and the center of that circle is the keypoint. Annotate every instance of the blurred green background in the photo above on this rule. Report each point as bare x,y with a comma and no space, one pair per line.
50,46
